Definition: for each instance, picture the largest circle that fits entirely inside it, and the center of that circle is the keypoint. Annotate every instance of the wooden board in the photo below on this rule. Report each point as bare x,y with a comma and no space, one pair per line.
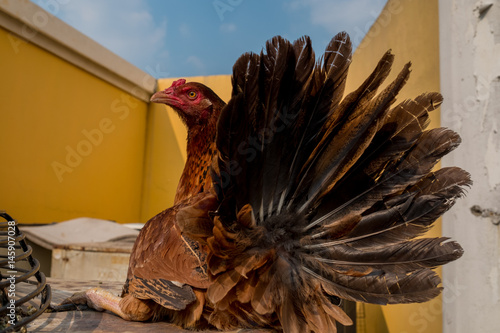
97,322
106,261
79,230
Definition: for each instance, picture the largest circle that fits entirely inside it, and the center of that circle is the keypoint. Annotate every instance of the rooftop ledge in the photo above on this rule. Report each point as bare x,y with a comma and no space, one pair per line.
35,25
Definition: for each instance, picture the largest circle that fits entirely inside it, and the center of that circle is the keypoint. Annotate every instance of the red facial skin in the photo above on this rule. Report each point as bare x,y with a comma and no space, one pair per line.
192,101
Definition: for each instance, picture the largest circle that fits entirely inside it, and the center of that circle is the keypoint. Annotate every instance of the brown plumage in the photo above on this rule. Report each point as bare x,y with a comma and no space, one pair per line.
167,267
316,197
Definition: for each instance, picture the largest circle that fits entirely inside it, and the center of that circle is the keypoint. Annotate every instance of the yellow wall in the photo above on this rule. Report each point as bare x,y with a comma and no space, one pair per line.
75,145
411,30
51,170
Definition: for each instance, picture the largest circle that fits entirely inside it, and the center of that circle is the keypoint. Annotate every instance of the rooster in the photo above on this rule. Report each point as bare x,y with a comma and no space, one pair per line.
315,197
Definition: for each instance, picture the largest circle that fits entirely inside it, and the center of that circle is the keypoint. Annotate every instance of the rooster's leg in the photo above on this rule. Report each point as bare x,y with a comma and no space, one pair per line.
101,300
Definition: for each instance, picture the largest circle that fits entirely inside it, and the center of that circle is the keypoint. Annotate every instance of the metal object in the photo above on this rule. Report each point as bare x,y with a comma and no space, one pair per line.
21,282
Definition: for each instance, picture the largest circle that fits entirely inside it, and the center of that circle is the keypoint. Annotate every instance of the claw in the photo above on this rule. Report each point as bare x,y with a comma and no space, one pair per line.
101,300
67,307
93,298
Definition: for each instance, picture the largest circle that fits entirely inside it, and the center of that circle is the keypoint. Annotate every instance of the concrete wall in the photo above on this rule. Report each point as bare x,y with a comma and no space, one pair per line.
470,82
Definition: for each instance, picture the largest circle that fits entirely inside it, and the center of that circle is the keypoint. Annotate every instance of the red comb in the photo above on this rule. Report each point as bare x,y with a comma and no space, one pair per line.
179,82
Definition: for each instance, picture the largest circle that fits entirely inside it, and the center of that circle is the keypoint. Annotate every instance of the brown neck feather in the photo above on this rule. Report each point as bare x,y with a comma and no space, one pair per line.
201,149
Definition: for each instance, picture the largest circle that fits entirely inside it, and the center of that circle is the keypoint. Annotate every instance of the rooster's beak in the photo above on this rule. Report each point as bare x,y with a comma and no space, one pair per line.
161,97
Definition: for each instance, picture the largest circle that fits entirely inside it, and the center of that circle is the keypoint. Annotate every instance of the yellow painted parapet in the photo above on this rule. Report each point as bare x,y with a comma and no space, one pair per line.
73,119
83,141
71,144
79,136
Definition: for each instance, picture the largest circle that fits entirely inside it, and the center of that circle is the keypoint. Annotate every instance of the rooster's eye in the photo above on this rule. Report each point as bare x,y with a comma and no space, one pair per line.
192,94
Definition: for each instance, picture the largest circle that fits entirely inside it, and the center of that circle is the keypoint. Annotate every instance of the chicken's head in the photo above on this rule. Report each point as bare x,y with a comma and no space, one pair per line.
193,101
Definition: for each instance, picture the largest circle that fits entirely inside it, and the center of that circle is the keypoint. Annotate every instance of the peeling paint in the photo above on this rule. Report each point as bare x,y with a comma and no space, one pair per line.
470,71
483,7
493,276
489,213
491,157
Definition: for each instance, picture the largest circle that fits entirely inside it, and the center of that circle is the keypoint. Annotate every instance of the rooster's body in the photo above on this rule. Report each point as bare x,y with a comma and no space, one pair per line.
170,279
316,197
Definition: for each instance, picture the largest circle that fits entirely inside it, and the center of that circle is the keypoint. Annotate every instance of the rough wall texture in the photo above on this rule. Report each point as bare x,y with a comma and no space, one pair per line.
470,83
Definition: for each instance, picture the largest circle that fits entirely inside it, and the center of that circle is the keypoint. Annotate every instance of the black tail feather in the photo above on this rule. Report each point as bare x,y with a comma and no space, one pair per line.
323,196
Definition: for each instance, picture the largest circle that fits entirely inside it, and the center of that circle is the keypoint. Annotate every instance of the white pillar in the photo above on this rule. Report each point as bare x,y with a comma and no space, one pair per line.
470,84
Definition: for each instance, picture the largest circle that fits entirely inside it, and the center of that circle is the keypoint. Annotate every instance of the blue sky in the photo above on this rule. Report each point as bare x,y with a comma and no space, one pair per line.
173,38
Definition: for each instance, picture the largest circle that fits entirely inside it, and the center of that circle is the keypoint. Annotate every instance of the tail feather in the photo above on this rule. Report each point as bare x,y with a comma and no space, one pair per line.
403,126
381,288
344,149
333,124
321,106
398,258
273,133
323,196
399,174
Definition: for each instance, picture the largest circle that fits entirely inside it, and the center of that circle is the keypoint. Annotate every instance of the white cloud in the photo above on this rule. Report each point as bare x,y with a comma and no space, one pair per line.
355,17
126,27
227,27
185,30
195,62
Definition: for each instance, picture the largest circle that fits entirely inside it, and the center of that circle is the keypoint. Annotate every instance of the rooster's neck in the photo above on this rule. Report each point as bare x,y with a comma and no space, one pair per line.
195,177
